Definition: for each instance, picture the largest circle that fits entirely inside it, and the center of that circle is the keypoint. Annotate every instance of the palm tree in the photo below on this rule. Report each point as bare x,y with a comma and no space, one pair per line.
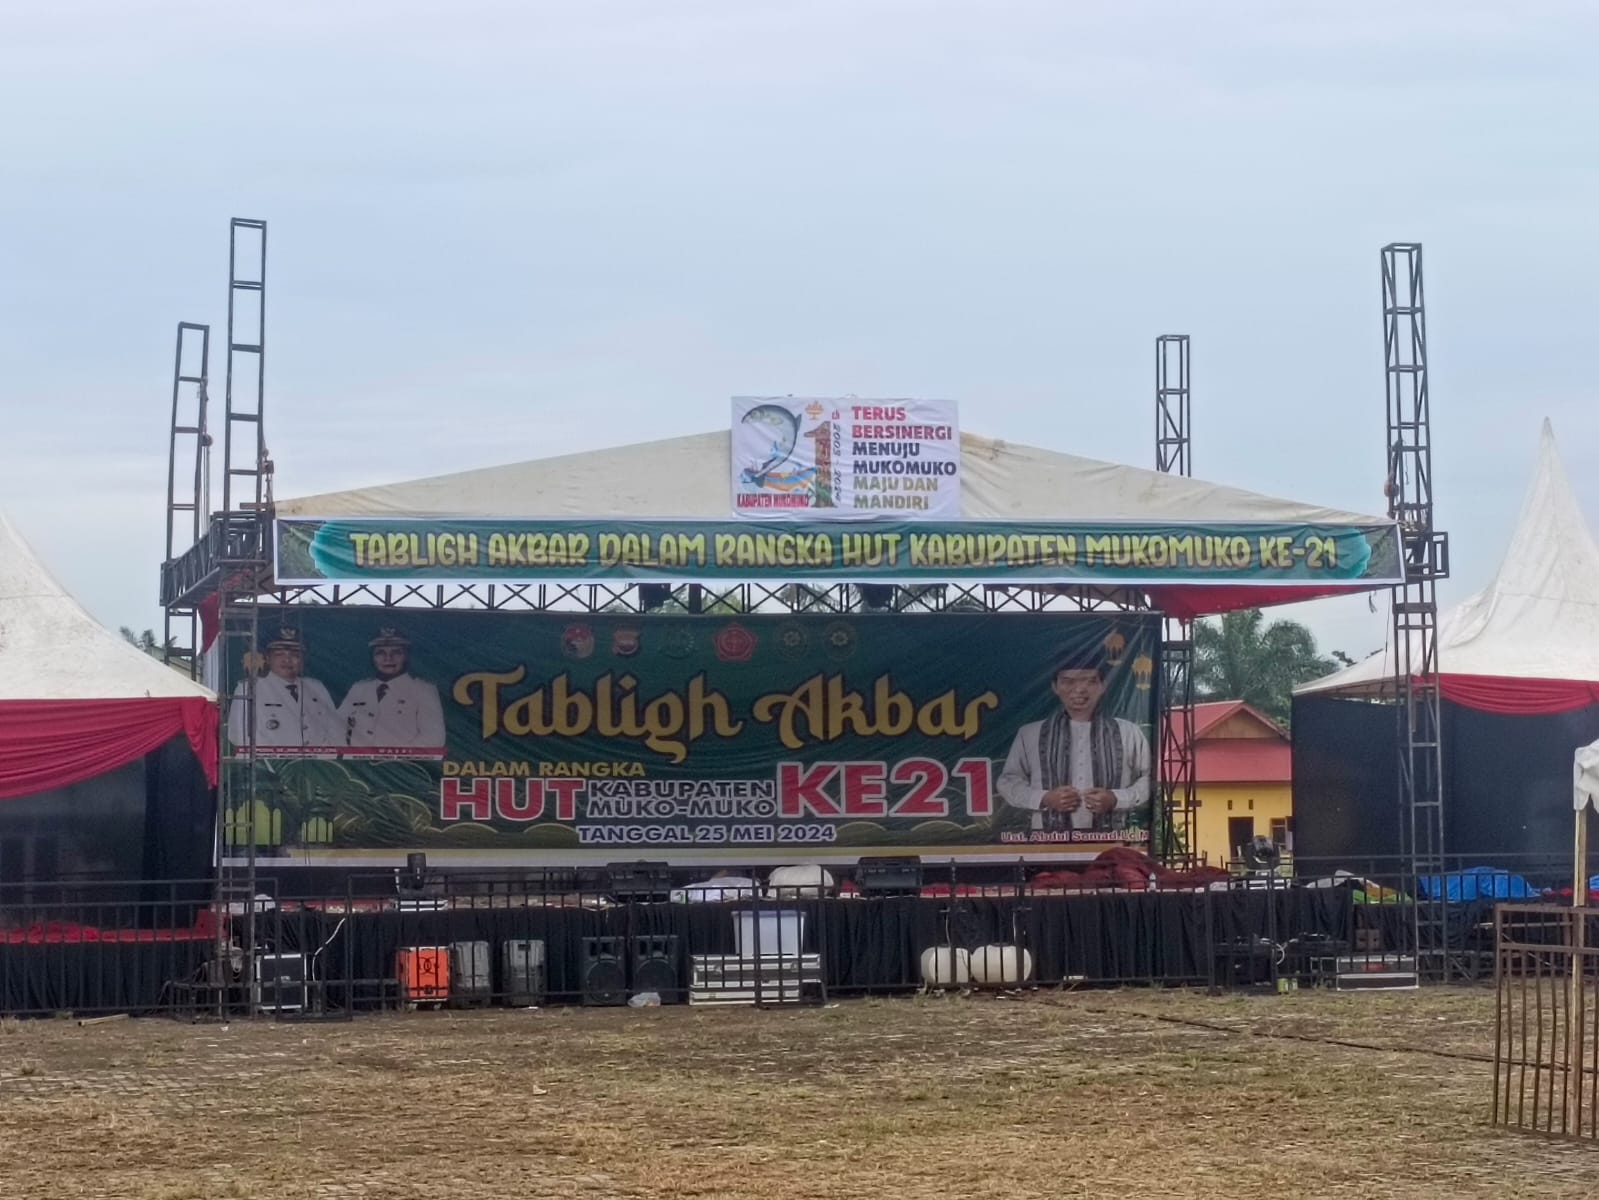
1241,657
144,641
147,642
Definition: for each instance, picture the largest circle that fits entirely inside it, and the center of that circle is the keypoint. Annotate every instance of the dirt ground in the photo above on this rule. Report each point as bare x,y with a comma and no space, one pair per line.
1128,1094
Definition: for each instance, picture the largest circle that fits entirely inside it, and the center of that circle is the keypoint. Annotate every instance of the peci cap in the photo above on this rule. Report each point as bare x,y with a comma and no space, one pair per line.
1085,658
287,639
389,636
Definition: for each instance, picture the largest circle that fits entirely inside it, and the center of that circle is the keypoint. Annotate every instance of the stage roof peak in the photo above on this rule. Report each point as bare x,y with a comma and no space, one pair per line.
52,649
1538,618
689,477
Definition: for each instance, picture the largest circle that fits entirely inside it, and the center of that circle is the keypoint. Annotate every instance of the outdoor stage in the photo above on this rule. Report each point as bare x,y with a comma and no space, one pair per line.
835,630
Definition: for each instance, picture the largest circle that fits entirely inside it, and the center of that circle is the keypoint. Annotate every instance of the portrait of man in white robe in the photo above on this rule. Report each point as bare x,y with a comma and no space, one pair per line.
1078,769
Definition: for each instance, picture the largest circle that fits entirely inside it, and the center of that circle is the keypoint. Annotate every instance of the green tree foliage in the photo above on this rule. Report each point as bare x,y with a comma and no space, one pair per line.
1242,657
147,642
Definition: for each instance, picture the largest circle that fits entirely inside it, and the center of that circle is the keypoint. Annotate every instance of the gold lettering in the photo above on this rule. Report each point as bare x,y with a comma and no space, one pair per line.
703,702
846,708
572,712
663,720
786,709
894,711
489,682
937,717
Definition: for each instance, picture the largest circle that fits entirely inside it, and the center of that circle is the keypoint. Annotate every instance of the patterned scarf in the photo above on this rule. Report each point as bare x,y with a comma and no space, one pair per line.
1055,758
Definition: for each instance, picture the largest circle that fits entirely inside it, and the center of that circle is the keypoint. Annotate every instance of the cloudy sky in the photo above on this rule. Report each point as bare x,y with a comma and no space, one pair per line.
502,230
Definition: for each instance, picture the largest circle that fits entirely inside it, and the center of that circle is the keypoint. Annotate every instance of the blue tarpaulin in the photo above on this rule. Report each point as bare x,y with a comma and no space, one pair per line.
1477,883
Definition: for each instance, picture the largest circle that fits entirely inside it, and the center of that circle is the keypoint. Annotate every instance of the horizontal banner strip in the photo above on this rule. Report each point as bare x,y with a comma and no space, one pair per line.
311,551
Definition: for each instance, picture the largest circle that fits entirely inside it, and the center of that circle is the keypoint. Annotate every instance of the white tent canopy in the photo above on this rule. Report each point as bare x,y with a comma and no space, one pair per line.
1585,777
688,478
51,649
1539,616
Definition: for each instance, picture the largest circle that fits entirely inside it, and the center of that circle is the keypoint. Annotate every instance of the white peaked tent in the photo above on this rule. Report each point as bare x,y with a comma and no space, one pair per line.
688,478
1528,642
76,700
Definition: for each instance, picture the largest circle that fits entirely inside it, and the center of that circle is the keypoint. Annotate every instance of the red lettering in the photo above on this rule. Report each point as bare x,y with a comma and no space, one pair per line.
800,787
978,774
531,806
566,794
452,799
865,790
927,779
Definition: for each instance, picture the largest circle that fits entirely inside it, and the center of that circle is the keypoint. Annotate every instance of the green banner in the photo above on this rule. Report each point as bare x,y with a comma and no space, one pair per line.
348,550
561,737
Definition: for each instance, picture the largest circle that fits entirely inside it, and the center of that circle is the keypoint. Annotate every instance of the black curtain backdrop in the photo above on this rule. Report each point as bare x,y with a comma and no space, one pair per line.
1346,781
1507,780
179,816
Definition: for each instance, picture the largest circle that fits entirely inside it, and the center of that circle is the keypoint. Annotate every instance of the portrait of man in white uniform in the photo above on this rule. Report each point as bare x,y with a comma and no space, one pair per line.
1078,769
292,710
394,709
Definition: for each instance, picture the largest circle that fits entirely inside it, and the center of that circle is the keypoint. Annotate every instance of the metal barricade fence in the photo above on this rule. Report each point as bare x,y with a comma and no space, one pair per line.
305,946
93,947
1546,1042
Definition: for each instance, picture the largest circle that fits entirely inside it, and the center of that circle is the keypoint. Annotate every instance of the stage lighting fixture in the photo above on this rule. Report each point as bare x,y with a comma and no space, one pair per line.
416,872
876,595
886,876
641,881
1262,854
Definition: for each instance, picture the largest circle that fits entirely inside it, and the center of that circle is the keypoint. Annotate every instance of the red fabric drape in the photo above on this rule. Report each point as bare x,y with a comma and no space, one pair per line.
1517,697
48,744
210,611
1189,601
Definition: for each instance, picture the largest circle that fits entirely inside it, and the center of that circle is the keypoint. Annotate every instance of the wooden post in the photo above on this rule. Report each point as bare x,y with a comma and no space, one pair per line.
1576,1036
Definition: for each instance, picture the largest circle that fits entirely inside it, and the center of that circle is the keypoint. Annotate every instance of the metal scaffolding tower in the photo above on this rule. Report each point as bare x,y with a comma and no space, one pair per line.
246,499
1174,456
244,437
1415,603
1173,441
187,512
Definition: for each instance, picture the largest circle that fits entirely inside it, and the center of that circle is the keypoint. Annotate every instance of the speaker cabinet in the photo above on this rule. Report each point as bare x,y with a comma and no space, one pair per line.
604,973
655,968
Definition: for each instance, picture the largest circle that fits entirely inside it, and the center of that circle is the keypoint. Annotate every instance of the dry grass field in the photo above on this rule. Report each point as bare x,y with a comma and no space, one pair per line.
1124,1094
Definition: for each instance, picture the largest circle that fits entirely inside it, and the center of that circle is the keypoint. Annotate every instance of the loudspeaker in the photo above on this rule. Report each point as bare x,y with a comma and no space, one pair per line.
604,976
640,880
655,968
890,876
652,596
522,965
876,595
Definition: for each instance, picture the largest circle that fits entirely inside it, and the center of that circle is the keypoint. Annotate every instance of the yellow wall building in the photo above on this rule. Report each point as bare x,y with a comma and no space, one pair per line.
1243,770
